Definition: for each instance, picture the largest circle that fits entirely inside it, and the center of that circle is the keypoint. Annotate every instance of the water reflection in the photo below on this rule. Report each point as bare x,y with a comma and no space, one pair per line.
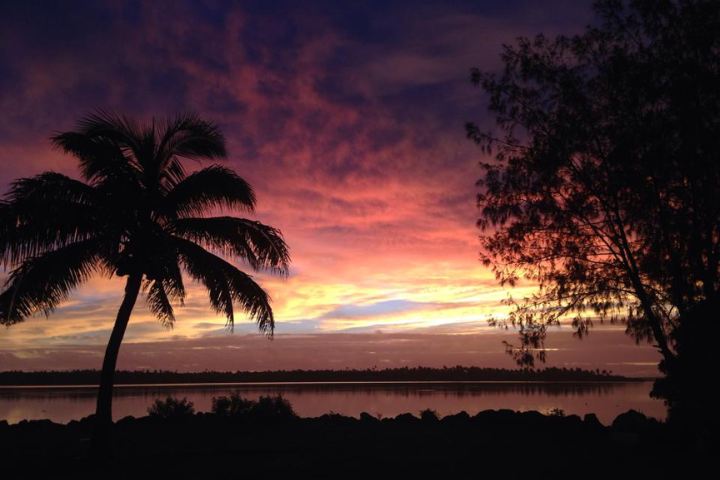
607,400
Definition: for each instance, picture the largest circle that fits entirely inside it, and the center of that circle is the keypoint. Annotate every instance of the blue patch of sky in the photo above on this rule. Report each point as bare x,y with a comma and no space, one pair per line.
375,309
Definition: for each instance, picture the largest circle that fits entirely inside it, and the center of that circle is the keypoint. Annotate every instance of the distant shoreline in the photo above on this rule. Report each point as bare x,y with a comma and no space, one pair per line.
340,384
418,375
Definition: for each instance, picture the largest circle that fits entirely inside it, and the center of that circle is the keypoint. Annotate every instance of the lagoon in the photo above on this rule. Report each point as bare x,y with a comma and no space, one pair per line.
380,399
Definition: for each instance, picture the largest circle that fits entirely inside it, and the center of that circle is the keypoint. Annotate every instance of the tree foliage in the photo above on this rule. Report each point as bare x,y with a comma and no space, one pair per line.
137,212
603,177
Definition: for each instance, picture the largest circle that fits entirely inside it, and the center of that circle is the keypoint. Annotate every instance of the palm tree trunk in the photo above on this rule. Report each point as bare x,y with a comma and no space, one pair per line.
103,413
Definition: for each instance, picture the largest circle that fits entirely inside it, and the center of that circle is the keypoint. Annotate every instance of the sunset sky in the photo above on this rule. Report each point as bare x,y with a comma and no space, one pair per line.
347,118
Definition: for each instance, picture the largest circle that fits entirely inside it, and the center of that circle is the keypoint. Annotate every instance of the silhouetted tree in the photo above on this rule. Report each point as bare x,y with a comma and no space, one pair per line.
136,215
603,187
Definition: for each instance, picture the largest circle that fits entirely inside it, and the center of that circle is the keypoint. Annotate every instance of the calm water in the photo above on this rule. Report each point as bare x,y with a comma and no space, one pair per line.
62,404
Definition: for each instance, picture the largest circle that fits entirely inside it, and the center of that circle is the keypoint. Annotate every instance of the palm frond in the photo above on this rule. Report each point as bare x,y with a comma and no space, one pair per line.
173,283
226,284
214,186
159,303
107,145
262,246
118,127
41,283
188,136
98,158
171,175
45,212
166,286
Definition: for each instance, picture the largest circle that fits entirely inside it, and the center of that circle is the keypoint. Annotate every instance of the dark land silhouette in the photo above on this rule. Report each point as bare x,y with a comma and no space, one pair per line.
270,442
416,374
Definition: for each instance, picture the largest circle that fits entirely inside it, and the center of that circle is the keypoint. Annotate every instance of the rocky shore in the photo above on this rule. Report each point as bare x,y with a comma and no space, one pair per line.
491,444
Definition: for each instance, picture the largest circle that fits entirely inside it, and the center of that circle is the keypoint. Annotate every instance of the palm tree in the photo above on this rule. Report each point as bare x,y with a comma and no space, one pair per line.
138,215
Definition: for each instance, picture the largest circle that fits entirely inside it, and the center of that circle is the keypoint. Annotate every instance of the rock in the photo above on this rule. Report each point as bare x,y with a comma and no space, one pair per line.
573,421
406,418
44,423
533,418
457,419
336,418
125,421
591,421
630,422
87,421
502,417
366,417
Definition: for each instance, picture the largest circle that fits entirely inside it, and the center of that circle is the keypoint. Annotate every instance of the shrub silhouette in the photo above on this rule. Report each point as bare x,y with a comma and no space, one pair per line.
171,407
231,406
272,407
429,415
556,412
265,408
